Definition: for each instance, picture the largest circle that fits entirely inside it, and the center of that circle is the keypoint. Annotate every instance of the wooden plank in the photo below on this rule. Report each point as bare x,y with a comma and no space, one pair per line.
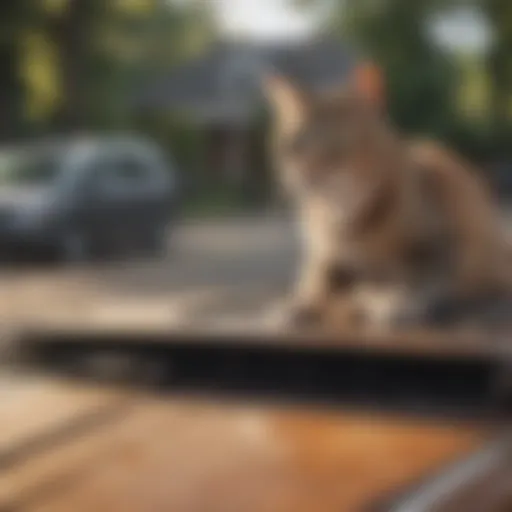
46,472
35,410
191,456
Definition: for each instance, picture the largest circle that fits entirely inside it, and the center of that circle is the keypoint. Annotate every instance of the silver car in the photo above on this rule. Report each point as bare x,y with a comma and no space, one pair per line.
80,199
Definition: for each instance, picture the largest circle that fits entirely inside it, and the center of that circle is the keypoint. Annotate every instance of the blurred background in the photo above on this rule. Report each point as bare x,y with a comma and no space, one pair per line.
186,72
179,82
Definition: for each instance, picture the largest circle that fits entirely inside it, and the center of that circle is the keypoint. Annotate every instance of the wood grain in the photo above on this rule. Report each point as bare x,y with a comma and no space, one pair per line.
188,455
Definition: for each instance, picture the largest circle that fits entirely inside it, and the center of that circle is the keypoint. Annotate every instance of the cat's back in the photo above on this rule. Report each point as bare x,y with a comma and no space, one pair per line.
450,175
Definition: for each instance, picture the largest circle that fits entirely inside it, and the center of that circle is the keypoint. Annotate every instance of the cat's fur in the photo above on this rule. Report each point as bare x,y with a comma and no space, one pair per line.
392,229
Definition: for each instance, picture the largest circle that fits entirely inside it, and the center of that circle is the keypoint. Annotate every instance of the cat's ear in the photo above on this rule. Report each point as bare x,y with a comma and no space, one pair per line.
368,82
288,100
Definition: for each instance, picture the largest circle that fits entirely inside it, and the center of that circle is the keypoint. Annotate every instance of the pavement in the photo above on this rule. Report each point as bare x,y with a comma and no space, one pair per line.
210,266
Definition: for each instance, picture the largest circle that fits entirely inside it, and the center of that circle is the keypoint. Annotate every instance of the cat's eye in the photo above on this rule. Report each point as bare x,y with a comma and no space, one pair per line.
318,137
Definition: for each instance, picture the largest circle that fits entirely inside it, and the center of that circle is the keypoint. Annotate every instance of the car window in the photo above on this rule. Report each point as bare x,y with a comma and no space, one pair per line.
123,174
30,168
129,171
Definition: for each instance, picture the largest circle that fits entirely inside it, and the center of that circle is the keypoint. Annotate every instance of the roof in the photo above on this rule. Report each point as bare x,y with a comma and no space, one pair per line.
224,83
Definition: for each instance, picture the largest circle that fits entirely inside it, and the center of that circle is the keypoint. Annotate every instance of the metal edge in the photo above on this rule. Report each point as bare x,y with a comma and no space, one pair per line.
429,494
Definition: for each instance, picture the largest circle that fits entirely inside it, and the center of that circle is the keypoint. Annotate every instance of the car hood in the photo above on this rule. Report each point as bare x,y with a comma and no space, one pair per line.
12,196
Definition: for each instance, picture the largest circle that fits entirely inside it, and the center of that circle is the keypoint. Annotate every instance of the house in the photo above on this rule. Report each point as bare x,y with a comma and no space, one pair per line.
221,92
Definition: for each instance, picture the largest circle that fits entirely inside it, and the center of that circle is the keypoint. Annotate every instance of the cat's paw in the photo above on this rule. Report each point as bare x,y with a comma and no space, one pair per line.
392,319
292,315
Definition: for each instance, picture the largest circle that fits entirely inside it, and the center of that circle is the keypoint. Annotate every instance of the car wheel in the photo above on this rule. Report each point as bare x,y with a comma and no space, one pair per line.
75,247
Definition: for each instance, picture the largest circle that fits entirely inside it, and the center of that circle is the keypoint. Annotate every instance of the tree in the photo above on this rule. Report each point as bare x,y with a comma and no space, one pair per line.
16,20
104,48
72,32
499,15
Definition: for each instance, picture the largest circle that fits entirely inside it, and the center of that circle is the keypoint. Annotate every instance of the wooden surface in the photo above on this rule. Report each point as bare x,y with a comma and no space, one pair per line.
33,408
188,455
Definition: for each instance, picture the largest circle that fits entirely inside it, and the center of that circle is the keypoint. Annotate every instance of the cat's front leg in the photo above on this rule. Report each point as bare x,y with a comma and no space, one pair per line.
323,291
401,307
306,304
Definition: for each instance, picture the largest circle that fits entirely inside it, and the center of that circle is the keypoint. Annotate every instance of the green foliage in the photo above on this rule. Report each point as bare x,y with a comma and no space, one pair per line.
74,63
499,14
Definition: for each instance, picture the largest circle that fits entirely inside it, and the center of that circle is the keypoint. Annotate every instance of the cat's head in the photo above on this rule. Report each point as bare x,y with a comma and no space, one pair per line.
325,142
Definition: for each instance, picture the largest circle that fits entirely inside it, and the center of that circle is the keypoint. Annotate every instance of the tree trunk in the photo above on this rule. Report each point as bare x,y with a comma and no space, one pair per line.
15,17
73,34
11,93
500,72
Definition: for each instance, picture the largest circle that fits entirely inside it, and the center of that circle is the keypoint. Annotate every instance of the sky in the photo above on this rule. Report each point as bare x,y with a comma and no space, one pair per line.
463,29
278,19
263,19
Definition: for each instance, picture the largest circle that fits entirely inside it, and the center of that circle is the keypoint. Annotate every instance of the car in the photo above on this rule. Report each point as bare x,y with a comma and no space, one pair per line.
81,199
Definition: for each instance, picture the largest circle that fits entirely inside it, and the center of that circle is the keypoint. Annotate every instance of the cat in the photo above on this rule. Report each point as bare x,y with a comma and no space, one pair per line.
397,232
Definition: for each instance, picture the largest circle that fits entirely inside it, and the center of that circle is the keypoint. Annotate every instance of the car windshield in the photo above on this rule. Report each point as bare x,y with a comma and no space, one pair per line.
29,167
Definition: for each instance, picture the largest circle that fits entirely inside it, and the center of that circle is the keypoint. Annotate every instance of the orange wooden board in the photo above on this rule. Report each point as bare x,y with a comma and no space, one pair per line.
189,455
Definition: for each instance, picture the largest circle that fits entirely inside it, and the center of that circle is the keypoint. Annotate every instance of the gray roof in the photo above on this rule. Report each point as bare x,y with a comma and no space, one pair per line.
225,83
